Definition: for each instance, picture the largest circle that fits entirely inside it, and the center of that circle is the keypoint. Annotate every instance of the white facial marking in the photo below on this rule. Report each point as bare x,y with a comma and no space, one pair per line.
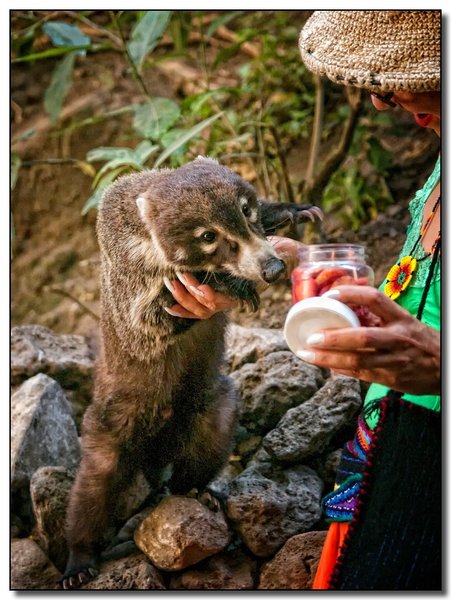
253,213
146,250
180,254
251,257
207,247
141,204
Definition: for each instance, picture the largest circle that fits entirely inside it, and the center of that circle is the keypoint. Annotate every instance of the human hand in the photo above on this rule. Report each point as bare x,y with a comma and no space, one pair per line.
401,353
201,301
287,250
195,300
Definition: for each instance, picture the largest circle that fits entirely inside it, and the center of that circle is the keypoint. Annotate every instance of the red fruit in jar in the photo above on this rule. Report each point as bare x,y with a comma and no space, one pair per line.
362,281
344,280
303,288
329,275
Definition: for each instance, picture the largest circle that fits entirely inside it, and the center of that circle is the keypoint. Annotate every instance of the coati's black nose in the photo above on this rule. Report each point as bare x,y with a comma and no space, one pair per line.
272,269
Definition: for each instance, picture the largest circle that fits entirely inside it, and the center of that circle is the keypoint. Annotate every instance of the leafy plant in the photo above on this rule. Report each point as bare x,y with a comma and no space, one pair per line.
251,120
122,160
358,190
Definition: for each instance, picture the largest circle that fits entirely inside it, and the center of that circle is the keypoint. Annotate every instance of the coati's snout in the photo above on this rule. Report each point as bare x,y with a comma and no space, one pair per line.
272,269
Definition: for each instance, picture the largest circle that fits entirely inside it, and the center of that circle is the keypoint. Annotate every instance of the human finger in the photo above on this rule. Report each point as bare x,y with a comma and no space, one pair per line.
287,250
179,311
189,302
205,294
363,338
355,361
377,302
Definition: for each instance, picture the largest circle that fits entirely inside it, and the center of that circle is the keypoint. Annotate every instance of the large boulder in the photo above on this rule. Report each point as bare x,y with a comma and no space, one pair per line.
37,349
294,566
270,386
43,432
31,569
66,358
269,505
248,344
180,532
308,429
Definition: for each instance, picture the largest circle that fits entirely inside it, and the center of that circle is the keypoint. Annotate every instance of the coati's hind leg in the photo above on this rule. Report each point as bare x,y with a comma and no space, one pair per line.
100,478
210,442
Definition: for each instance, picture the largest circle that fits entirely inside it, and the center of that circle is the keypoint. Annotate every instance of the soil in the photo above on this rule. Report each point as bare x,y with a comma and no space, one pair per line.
55,255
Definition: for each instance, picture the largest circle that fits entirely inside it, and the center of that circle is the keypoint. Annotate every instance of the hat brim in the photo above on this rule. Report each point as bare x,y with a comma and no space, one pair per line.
376,50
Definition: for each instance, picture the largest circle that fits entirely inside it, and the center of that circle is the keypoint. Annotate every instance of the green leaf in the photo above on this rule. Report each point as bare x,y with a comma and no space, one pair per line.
112,165
378,156
185,138
155,117
26,135
63,34
59,86
16,163
121,157
144,150
51,52
94,200
146,34
109,153
226,17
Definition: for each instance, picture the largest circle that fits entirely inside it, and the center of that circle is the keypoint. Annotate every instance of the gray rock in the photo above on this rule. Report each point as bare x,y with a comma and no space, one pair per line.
36,349
43,432
248,344
272,385
269,505
49,489
230,571
180,532
66,358
30,567
294,566
219,485
308,429
130,573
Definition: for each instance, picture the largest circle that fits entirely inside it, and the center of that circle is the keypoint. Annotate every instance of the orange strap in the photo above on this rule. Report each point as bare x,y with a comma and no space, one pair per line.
331,549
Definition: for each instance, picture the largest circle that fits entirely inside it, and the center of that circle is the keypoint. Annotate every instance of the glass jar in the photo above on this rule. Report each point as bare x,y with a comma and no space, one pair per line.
325,266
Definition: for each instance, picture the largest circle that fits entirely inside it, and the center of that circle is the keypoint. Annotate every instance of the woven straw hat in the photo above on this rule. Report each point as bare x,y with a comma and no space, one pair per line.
379,50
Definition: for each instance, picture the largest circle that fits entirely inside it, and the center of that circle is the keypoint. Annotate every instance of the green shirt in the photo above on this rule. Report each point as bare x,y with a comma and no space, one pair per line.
411,297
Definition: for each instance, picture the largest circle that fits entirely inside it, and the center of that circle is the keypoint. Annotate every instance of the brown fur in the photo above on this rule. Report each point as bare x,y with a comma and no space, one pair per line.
159,397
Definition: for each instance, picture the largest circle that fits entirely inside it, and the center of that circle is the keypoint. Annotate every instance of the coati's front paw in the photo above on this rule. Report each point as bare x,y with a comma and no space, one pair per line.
276,215
78,572
205,498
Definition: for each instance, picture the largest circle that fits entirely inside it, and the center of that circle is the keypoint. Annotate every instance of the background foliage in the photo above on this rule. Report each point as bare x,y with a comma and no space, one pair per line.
254,105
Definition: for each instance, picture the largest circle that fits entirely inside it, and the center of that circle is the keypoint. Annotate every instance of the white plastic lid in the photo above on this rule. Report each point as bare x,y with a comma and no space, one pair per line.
311,315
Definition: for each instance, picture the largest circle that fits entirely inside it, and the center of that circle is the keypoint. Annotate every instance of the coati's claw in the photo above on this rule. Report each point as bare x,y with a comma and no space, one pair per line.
93,572
75,580
318,213
209,501
312,213
276,216
205,498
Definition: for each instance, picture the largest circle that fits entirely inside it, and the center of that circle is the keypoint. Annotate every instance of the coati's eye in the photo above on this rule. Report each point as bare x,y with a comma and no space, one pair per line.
246,210
209,236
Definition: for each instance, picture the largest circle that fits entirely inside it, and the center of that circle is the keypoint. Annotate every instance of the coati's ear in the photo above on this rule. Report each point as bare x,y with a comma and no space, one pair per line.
206,159
141,203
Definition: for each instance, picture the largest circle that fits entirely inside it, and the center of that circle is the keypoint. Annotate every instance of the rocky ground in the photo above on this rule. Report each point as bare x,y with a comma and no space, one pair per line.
268,530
